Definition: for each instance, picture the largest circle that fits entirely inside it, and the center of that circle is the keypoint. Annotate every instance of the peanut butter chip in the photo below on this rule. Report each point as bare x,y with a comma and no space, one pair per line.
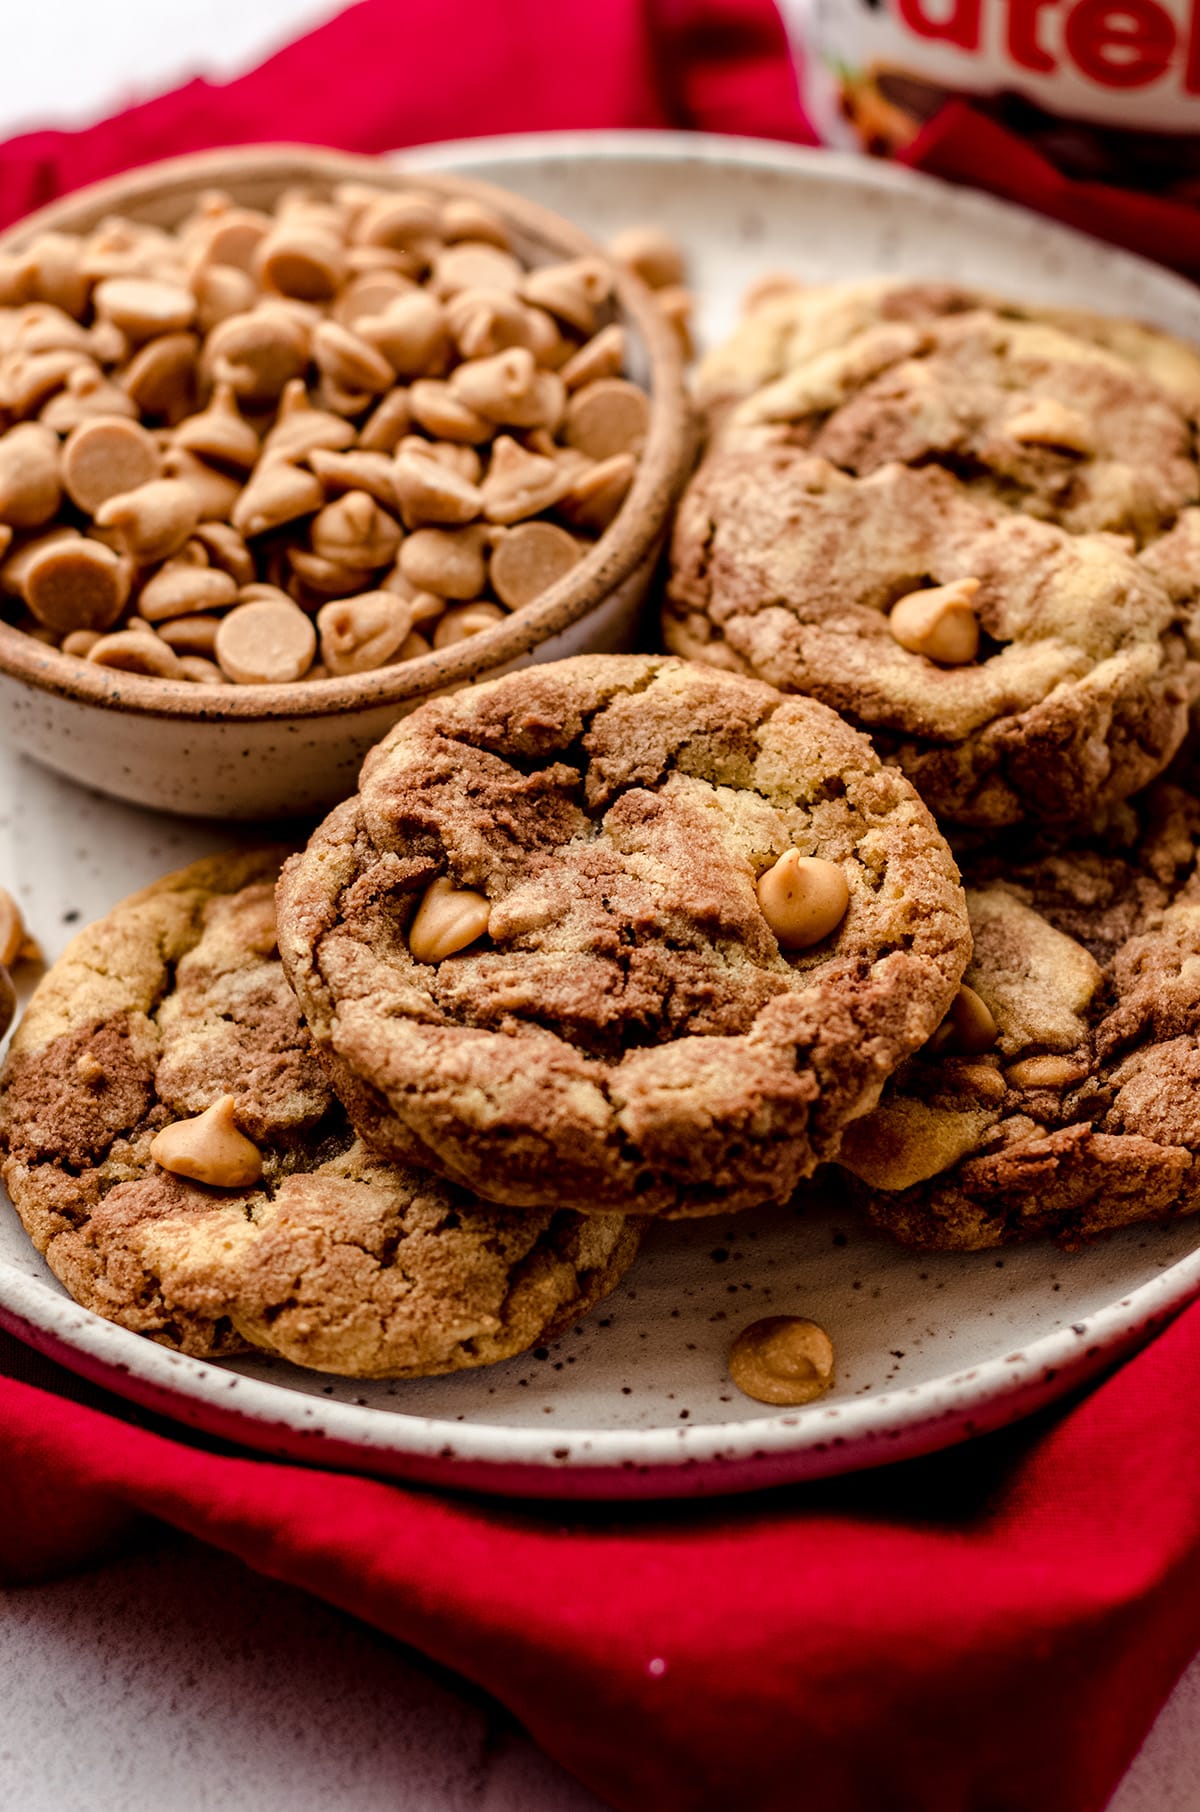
8,1000
969,1027
191,635
532,557
29,476
447,920
939,623
463,621
610,416
265,642
277,493
12,929
447,562
803,899
181,588
595,494
650,254
220,432
429,492
77,583
359,634
210,1149
602,357
153,521
520,483
782,1360
105,456
1049,423
144,306
1046,1072
137,650
353,531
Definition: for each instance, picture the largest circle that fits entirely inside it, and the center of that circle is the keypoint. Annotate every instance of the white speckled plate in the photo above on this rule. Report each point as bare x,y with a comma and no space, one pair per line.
636,1401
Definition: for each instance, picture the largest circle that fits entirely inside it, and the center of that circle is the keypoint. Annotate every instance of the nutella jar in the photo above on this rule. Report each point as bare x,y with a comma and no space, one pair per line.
1107,90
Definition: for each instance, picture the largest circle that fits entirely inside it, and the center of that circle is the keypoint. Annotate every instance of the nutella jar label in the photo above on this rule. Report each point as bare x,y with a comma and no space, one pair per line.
1108,89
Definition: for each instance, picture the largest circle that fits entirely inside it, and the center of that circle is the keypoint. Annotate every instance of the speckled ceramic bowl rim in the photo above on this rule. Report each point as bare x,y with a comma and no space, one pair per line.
631,538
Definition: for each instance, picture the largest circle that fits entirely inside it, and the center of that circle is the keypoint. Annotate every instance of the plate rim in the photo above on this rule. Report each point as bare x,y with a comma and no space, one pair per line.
679,1459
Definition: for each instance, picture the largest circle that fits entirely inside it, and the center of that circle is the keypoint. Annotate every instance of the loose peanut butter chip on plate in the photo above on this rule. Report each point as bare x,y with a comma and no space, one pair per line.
77,583
265,642
448,919
105,456
531,558
968,1029
803,899
782,1360
607,417
210,1149
939,623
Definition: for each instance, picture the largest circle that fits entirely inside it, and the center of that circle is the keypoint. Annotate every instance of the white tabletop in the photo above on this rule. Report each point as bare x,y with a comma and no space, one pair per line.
173,1675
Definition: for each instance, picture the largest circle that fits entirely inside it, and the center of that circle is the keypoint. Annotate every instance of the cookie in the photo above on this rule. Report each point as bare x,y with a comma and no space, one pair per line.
618,1023
1076,693
336,1260
1077,1108
812,350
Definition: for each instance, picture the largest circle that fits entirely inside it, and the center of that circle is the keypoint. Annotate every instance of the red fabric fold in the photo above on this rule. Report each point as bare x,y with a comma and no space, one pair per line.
991,1628
962,145
386,74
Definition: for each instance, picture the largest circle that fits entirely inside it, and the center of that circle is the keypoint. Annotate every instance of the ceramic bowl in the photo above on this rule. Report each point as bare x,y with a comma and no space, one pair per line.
278,750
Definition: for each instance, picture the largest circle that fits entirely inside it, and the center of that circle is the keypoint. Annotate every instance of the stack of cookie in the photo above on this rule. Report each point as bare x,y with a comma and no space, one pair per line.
624,937
613,938
971,527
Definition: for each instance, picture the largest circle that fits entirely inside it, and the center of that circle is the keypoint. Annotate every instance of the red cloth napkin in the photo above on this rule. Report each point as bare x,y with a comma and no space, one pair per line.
403,72
991,1630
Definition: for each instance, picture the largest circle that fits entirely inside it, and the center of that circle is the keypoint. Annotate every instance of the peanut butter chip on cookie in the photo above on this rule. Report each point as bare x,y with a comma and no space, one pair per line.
1046,1072
1048,423
447,920
803,899
531,558
782,1360
265,642
210,1149
969,1028
939,623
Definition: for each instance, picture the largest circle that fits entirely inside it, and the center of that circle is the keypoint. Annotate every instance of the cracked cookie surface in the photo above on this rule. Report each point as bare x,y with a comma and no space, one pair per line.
786,567
1085,1114
339,1260
942,371
628,1033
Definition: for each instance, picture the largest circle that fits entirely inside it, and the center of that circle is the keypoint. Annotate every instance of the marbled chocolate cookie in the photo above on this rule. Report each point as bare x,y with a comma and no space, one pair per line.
822,346
334,1259
621,931
1013,670
1062,1096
